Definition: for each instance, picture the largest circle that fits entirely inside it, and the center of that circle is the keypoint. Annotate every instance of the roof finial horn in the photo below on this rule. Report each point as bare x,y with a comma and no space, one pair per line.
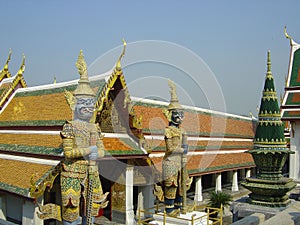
7,61
288,36
118,65
22,67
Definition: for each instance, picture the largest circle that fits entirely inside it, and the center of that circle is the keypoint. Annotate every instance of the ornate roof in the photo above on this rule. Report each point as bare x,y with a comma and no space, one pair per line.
223,136
22,172
32,118
197,122
4,73
211,163
291,100
8,84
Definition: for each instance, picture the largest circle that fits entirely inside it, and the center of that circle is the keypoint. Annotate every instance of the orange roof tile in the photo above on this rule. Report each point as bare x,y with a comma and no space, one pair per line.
41,107
16,175
212,162
31,139
154,120
201,145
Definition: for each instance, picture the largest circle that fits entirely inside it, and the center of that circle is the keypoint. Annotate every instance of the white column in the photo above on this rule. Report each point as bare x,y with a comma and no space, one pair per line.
29,215
218,182
248,173
149,198
140,203
294,169
198,190
235,186
129,196
2,207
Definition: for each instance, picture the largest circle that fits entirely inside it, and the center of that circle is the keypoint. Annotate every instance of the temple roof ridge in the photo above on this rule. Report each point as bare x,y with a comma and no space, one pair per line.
194,108
105,76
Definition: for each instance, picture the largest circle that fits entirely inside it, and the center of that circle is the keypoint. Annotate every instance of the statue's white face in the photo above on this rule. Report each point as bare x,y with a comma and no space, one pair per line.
84,108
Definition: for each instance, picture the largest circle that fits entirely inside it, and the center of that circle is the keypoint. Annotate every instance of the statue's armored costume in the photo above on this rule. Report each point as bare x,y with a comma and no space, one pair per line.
81,191
175,179
77,138
172,168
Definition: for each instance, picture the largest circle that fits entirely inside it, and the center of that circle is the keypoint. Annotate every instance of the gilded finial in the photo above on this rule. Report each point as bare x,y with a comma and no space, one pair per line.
7,61
172,91
269,72
118,65
22,67
83,88
269,61
81,66
287,36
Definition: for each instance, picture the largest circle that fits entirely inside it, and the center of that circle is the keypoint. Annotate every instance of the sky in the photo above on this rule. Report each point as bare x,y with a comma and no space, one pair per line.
215,51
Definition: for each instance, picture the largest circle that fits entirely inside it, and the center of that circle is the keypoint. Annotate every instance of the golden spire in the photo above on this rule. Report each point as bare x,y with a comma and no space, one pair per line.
288,36
81,66
22,67
174,103
83,87
118,65
7,61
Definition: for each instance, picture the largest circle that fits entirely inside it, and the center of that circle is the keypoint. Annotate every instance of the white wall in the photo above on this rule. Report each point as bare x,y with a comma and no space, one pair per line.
295,147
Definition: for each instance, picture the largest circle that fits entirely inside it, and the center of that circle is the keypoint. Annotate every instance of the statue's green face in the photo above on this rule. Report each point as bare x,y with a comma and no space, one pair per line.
84,109
177,117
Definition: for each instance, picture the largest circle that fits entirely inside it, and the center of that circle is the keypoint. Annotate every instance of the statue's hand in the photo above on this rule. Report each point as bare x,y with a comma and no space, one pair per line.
93,153
185,148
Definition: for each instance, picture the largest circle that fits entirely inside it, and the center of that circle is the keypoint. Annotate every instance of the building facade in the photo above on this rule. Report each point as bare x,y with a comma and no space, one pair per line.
31,119
290,108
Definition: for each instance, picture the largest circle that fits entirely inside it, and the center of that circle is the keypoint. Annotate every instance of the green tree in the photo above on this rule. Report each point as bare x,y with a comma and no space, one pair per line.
218,199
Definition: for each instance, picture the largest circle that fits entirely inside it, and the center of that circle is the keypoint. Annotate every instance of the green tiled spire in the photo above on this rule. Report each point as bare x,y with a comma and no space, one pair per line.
270,129
268,187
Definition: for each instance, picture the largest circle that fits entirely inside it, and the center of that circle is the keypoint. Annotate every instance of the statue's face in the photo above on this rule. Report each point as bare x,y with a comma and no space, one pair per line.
84,108
177,117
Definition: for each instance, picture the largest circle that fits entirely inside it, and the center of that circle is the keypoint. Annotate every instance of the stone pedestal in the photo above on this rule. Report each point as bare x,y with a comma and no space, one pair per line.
200,218
271,193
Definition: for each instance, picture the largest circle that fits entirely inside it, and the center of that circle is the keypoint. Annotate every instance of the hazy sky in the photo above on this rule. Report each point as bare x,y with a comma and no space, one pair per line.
231,37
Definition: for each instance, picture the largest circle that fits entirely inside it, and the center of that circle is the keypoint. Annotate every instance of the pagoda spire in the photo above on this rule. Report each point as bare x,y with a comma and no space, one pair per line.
269,152
270,129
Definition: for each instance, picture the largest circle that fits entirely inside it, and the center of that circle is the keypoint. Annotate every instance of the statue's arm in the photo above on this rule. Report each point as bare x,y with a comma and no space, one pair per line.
173,147
70,149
